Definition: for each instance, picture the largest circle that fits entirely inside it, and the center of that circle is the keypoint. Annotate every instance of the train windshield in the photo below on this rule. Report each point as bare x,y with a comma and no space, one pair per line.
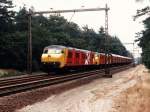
54,51
45,51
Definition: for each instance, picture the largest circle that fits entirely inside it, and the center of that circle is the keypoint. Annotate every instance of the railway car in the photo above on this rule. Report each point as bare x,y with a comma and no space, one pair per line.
120,60
60,57
56,57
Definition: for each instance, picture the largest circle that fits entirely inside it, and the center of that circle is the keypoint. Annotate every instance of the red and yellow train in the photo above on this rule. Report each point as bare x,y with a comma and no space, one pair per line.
62,57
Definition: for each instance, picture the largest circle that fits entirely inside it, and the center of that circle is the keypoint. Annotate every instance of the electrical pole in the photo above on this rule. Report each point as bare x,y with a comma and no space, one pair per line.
29,56
107,58
106,20
29,62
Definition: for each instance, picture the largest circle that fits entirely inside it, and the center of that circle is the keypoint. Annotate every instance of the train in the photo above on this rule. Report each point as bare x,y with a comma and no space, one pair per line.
58,57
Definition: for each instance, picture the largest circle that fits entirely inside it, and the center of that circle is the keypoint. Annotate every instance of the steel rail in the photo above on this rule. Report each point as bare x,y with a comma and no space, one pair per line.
26,79
21,76
32,84
6,90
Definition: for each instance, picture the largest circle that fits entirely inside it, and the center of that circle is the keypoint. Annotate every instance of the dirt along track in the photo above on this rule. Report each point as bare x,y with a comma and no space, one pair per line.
94,95
127,91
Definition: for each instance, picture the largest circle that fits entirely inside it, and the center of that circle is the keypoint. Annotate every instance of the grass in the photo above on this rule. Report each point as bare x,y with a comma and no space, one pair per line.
9,73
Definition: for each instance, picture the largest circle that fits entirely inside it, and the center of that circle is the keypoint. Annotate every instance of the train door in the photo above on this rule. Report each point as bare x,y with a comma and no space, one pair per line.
69,57
77,57
87,58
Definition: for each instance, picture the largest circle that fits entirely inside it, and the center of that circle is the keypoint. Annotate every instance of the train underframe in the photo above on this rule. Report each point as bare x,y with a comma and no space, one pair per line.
54,67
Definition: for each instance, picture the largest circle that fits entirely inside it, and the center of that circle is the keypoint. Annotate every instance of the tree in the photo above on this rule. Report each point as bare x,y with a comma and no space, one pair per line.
21,20
6,29
144,43
6,15
47,31
144,40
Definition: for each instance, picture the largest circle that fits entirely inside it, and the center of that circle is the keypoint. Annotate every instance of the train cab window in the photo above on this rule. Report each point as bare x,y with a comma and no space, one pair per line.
55,51
45,51
83,56
69,54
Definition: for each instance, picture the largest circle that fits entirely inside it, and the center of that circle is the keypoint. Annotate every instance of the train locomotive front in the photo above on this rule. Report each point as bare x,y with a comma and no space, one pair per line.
56,58
53,58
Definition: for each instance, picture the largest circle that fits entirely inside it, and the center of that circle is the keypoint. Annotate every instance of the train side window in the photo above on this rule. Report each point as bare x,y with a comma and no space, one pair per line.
69,54
83,56
77,55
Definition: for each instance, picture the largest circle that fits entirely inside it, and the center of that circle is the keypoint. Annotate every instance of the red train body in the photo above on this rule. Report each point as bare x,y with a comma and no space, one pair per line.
60,57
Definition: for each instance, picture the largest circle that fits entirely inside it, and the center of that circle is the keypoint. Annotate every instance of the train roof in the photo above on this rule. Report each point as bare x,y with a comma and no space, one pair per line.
62,47
102,53
116,55
55,46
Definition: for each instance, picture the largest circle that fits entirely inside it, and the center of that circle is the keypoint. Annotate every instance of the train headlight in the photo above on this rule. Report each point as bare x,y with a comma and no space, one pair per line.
96,58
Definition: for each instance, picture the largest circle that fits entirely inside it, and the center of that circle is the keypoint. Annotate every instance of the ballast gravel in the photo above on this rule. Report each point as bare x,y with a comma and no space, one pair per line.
20,100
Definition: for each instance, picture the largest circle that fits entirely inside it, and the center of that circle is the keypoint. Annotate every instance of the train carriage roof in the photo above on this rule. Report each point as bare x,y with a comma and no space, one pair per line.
119,56
60,46
82,50
55,46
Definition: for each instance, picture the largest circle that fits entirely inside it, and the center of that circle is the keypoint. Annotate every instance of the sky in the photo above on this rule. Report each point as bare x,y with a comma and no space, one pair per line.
121,14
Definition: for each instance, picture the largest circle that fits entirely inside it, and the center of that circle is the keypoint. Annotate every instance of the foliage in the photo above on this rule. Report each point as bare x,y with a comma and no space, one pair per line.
46,31
144,43
9,73
6,15
144,40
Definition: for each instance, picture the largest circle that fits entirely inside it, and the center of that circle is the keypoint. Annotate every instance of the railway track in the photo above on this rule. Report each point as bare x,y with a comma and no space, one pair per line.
20,84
